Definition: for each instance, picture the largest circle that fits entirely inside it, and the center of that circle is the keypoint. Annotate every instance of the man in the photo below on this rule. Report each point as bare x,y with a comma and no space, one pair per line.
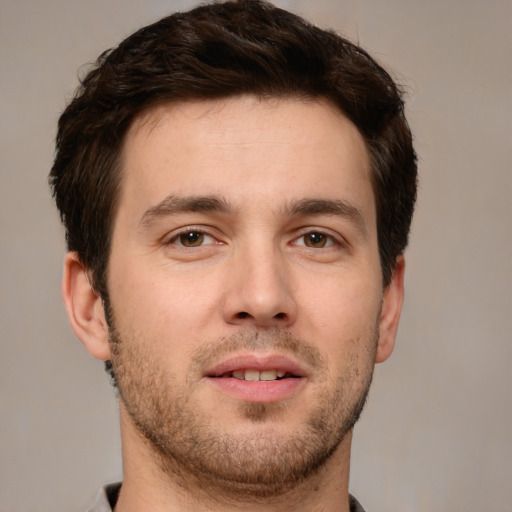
237,187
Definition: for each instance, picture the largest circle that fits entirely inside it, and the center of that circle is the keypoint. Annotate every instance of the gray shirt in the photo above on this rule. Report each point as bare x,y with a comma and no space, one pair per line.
107,498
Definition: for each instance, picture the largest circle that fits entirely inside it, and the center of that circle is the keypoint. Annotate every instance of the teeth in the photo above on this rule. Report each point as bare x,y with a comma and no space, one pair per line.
255,375
268,375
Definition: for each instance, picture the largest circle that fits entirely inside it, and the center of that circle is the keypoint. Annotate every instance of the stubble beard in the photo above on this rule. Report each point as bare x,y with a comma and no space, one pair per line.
265,464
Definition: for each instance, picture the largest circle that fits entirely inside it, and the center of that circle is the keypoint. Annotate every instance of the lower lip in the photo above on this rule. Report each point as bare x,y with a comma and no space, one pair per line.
258,391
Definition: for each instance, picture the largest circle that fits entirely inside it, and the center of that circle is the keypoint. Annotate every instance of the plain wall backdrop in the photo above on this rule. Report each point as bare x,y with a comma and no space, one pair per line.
436,433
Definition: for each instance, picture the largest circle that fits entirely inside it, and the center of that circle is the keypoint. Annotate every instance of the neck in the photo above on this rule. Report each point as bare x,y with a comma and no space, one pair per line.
151,482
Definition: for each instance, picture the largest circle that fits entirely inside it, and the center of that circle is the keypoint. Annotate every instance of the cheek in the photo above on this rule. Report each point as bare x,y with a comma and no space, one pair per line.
162,306
343,317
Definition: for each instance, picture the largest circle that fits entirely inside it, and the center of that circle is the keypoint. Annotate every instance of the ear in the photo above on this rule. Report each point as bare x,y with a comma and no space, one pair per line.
85,308
390,312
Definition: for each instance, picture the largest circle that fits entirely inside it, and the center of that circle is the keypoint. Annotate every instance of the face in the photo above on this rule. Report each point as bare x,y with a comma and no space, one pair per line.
245,287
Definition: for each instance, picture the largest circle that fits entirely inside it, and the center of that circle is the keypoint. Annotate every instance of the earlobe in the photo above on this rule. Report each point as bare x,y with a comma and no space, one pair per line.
85,308
390,312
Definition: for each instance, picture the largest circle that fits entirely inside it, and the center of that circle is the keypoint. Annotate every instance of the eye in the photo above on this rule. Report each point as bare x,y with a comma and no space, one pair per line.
315,240
191,238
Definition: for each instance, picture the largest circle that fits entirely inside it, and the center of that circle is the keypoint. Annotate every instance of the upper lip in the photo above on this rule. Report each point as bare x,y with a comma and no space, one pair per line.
260,362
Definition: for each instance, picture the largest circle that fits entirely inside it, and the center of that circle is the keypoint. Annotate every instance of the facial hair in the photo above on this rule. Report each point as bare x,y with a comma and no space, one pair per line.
263,461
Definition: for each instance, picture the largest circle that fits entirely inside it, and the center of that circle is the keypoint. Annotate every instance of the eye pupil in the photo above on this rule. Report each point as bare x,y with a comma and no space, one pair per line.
192,238
315,240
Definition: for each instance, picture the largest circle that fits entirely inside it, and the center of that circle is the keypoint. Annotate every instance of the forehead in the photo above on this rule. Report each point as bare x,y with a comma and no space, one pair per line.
272,151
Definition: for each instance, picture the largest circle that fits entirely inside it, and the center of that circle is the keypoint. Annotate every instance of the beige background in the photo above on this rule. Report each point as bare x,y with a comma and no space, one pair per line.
436,435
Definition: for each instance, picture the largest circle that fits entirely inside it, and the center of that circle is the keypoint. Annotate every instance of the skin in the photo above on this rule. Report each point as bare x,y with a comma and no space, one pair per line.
270,259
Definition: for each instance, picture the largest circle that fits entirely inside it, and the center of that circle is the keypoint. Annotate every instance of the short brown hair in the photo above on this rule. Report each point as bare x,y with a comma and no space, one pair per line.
216,51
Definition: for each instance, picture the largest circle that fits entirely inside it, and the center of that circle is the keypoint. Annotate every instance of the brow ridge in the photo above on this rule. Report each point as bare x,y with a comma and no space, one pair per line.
174,204
337,207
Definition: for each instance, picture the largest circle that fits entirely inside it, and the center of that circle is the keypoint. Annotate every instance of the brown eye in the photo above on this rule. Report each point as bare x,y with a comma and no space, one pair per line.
315,240
191,239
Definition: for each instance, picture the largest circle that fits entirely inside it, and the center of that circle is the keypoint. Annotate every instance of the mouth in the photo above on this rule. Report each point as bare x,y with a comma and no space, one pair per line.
257,367
254,375
258,378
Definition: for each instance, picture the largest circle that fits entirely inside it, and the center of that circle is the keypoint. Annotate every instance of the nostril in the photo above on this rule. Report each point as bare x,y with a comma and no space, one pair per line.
263,320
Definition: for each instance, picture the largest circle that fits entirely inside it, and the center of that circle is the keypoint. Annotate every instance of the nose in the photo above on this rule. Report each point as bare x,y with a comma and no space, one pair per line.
259,290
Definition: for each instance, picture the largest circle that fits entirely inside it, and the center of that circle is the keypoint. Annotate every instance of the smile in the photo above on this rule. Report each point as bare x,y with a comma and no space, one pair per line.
258,378
257,375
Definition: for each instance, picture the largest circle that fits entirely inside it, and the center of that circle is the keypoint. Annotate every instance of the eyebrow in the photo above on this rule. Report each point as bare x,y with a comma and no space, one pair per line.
173,205
334,207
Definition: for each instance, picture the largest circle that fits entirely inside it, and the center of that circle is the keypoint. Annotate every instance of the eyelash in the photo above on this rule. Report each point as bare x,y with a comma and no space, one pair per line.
330,240
175,239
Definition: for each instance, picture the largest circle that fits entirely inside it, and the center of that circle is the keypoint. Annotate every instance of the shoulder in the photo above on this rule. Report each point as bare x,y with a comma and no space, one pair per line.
355,506
106,498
